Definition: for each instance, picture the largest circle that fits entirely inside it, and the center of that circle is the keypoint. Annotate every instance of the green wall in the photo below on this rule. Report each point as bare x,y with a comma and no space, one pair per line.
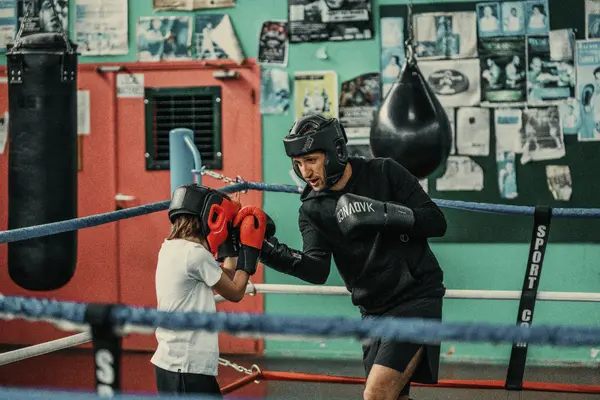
568,267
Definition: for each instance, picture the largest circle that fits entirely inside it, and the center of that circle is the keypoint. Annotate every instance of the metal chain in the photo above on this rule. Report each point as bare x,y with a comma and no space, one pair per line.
62,29
28,8
213,174
226,363
409,43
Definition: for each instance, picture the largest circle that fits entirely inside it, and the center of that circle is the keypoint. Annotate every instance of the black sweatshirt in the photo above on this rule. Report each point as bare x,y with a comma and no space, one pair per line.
381,270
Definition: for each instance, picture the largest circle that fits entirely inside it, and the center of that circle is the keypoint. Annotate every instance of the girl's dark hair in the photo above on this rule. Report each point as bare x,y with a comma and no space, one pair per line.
186,226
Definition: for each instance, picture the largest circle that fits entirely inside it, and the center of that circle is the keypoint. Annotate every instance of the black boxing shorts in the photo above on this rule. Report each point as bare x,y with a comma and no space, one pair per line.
397,355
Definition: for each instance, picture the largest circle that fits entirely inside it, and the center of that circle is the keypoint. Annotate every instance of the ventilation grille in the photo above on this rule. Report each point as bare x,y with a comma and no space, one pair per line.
199,112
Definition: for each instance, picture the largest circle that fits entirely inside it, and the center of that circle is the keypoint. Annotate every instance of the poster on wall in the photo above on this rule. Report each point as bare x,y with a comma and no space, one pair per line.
164,38
359,99
330,20
316,92
392,52
501,18
588,89
43,16
503,71
215,38
274,91
8,21
455,82
190,5
592,19
101,27
273,44
541,136
549,80
445,35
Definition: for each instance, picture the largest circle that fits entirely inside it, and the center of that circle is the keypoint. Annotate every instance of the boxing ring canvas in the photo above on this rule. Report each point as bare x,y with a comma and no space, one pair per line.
581,157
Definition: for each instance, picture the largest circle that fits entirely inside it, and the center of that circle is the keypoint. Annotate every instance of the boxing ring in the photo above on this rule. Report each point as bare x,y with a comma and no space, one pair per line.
105,324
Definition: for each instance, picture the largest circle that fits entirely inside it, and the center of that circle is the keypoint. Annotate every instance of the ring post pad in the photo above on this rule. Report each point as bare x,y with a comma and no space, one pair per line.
107,349
537,250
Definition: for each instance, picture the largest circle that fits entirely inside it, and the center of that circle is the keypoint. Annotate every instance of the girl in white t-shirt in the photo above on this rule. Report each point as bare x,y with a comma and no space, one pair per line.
187,273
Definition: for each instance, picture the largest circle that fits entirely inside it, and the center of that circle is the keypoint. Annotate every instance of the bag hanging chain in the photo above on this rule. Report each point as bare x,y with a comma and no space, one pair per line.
26,17
410,51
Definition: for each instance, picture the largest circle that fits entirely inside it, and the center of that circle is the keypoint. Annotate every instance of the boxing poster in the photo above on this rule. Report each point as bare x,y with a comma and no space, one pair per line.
392,52
537,17
548,81
503,71
330,20
273,44
359,100
8,21
316,92
190,5
164,38
592,19
570,116
588,89
43,16
274,91
215,39
455,82
541,136
501,18
101,27
473,131
507,174
508,123
462,174
443,35
560,183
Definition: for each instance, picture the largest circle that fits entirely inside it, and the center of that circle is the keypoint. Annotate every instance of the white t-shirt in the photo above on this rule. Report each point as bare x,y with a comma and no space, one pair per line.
185,274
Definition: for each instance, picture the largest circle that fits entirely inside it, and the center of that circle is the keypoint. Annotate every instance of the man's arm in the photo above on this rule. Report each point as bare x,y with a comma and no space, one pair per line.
429,220
410,210
312,264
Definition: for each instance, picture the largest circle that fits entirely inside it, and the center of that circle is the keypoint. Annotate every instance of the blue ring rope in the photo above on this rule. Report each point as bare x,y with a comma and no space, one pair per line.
403,329
100,219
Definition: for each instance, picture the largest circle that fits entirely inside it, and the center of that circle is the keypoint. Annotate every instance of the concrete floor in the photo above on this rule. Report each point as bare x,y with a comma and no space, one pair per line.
321,391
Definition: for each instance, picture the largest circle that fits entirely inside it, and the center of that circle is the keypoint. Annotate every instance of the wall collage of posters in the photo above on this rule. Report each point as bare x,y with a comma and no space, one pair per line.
499,67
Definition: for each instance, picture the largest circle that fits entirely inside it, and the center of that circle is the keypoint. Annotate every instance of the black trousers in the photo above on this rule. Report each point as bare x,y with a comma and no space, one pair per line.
169,382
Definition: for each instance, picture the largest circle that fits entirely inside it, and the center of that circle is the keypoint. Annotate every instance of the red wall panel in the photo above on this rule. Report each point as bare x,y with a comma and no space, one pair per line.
116,261
140,238
95,278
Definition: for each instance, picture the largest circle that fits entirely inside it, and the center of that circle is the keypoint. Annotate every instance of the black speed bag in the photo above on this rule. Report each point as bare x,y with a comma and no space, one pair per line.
411,125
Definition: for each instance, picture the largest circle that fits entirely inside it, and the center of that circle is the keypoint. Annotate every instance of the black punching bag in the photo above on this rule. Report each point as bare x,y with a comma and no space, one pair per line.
42,168
411,125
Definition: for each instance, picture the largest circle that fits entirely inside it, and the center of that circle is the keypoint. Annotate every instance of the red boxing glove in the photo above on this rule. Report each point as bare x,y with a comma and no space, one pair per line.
253,226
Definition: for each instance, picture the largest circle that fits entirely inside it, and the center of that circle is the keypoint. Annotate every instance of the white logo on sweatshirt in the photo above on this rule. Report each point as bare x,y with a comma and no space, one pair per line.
353,208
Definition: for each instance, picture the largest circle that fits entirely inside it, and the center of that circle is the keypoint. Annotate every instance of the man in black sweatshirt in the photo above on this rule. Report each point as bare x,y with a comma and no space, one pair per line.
374,217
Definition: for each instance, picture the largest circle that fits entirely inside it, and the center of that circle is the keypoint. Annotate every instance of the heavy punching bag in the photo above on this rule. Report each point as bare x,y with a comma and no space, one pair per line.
42,168
411,125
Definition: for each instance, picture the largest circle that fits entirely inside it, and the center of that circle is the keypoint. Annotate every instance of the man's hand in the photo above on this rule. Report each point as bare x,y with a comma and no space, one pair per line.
357,214
252,223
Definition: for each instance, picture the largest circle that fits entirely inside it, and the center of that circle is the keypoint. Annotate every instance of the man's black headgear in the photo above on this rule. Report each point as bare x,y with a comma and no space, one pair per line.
316,133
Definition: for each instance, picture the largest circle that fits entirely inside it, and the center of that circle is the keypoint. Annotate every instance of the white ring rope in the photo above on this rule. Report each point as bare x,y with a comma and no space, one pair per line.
81,338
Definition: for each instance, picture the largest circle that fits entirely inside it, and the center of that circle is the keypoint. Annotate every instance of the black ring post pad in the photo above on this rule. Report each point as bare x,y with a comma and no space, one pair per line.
537,250
107,349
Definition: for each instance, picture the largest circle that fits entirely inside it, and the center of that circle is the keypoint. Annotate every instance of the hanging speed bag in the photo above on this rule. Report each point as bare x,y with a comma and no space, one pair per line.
411,125
42,151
